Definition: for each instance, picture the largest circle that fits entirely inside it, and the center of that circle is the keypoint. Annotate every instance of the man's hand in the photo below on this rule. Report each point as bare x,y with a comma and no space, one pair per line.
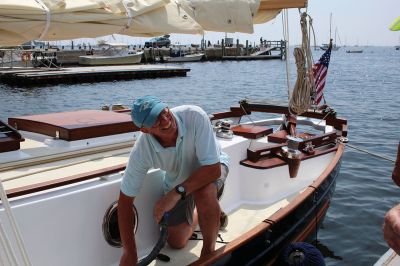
391,228
165,204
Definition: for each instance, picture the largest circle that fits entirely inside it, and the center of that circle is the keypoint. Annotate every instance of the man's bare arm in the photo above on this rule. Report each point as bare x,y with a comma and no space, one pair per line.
125,223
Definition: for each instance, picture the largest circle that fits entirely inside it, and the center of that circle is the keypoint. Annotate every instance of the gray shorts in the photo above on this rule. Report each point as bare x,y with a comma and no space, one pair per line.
183,210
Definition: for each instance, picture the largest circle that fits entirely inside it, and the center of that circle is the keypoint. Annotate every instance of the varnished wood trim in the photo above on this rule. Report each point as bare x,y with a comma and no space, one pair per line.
254,156
278,4
251,131
308,230
24,190
9,144
232,113
75,125
276,159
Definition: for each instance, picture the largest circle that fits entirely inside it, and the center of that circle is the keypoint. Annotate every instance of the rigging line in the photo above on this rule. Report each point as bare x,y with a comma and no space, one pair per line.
48,19
371,153
300,99
14,225
285,23
8,250
127,5
323,119
246,114
316,217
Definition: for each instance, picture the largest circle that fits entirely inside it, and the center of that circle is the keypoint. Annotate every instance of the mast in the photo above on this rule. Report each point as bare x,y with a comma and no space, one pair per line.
330,27
335,35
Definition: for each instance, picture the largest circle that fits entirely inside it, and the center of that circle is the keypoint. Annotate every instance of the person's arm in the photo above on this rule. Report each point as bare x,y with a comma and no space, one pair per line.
204,175
396,170
125,223
391,228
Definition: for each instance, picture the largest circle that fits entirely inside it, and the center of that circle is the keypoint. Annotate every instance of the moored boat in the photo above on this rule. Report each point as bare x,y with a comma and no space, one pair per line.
354,51
184,58
67,173
115,54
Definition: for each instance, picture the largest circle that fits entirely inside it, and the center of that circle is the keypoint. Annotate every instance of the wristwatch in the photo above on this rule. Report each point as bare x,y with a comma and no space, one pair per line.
180,189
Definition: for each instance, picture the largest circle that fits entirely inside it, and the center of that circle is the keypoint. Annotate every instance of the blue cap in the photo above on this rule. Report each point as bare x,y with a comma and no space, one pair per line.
145,110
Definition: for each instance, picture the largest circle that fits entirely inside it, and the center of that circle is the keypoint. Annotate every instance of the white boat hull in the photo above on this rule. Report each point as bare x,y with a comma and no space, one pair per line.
95,60
64,225
186,58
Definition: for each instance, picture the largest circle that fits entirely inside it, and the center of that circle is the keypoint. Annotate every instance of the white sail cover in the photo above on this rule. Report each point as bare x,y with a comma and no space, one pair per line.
25,20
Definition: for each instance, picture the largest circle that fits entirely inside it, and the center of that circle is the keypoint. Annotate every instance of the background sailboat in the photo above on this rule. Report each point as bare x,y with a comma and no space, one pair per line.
335,47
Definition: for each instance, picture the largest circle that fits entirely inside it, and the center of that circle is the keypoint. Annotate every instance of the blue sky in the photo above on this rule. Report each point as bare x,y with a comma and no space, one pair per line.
362,22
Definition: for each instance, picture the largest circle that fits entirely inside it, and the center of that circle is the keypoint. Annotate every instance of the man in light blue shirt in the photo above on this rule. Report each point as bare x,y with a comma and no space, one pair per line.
181,142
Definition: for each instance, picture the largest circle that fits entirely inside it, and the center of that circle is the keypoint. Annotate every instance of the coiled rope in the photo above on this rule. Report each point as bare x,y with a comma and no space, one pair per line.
300,100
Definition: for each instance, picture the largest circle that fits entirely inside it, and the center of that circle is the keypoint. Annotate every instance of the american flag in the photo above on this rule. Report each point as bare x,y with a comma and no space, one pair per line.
320,70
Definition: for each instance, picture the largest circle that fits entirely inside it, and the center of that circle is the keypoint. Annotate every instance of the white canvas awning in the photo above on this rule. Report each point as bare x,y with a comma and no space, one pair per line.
25,20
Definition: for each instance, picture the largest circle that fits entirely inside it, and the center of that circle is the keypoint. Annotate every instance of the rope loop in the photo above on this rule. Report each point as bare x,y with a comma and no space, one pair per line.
301,98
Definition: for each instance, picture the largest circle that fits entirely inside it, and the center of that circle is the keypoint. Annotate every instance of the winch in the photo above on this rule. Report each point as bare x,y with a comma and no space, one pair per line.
223,129
292,154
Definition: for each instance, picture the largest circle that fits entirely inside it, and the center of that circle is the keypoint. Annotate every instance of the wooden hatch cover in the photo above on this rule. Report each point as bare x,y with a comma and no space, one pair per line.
75,125
10,138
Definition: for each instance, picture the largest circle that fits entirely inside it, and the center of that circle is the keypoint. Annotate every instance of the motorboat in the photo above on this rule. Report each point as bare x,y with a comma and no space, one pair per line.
181,58
60,173
115,54
354,51
325,47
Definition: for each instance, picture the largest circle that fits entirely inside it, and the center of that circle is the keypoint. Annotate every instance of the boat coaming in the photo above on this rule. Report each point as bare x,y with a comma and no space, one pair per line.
68,219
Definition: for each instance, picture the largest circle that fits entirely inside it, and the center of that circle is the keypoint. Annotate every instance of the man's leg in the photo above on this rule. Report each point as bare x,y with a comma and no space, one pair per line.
209,211
184,218
178,235
182,221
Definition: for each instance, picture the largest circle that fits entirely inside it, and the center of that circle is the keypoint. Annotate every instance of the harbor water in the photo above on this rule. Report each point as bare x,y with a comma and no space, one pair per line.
363,88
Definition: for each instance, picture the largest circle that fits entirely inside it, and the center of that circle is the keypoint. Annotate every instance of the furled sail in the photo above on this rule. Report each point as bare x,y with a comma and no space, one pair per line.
26,20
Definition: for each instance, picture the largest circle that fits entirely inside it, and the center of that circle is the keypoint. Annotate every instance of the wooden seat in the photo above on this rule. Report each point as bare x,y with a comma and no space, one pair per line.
251,132
76,125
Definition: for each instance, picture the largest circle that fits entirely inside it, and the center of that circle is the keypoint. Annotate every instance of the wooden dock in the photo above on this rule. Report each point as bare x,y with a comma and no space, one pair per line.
39,76
250,57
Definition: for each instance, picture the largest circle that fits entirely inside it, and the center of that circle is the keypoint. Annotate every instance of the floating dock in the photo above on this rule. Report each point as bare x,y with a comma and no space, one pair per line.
40,76
250,57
